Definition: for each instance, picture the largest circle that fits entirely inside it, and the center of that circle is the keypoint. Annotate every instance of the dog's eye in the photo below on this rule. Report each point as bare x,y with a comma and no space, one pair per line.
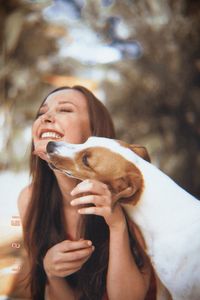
85,160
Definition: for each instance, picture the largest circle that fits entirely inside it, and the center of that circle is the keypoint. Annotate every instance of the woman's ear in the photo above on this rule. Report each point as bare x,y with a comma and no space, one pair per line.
141,151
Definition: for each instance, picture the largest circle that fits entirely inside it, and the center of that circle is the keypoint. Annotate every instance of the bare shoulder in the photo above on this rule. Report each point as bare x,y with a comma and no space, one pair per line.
24,199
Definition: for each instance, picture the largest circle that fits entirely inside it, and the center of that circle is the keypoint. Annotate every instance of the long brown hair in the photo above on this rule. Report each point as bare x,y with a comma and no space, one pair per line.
44,220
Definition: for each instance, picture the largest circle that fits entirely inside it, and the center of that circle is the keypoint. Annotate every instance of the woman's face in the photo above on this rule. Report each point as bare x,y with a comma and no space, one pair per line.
62,117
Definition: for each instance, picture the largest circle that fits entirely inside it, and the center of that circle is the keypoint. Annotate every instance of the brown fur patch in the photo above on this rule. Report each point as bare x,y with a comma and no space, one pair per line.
123,177
138,149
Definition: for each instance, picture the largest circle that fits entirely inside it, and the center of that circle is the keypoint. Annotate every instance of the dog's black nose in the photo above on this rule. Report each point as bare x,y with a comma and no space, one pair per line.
50,147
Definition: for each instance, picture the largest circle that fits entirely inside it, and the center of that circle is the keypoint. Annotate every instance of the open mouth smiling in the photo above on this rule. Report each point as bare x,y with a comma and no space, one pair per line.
50,134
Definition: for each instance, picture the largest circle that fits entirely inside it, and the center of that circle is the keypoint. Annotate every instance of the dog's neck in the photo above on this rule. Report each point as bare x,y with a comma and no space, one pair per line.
161,198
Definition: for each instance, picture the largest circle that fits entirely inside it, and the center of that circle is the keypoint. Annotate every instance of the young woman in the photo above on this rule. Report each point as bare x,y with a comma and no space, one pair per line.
72,253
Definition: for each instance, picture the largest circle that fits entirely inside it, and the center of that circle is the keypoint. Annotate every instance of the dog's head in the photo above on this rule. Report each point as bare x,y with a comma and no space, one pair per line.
107,160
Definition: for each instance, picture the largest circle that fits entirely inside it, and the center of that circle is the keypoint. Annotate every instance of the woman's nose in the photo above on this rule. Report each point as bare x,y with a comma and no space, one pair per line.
48,117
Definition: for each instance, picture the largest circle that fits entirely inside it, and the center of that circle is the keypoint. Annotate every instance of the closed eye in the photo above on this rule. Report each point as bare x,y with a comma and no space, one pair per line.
66,107
85,160
66,110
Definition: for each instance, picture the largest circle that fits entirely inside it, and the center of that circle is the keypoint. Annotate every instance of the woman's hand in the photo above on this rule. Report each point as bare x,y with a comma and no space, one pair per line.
101,202
67,257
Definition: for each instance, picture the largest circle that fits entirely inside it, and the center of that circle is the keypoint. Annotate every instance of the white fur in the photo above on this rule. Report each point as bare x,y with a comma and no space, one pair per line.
169,219
66,149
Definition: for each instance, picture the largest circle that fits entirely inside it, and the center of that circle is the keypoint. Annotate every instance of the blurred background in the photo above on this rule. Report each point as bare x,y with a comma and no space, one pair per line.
141,58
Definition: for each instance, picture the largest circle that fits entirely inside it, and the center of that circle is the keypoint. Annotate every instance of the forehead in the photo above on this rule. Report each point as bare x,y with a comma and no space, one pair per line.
68,95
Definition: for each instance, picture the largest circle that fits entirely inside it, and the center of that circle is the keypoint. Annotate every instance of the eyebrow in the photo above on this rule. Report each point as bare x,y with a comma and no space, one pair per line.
66,102
60,102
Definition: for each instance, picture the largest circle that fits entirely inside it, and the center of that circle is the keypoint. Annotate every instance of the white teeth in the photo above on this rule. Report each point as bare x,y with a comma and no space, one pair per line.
50,134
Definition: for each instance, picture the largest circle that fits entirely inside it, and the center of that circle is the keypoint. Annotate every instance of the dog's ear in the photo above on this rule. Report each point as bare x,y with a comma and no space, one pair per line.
141,151
127,186
138,149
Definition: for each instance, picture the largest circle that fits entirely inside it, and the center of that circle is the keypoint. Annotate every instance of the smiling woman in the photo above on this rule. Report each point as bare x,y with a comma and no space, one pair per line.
66,120
72,255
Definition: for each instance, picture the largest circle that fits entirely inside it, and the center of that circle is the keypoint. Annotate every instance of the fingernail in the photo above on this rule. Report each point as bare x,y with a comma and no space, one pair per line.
93,248
89,243
72,202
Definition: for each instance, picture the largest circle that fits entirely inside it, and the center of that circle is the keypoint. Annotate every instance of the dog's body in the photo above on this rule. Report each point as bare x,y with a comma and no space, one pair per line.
169,220
167,216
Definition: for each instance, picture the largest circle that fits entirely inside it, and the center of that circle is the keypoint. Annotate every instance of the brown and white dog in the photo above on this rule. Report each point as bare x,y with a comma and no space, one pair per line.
168,217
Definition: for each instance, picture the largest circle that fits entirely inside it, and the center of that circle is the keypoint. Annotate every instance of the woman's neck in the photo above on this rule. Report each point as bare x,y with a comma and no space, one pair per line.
72,217
66,185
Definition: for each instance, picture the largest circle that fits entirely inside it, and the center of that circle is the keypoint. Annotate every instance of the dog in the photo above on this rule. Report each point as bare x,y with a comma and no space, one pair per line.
167,216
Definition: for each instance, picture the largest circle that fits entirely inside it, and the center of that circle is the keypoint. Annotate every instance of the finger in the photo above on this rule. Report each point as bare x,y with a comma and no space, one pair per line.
67,272
77,255
67,266
91,199
64,268
92,186
67,245
64,272
93,210
70,257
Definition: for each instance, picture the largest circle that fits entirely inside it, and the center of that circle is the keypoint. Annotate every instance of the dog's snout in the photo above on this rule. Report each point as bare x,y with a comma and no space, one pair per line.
50,147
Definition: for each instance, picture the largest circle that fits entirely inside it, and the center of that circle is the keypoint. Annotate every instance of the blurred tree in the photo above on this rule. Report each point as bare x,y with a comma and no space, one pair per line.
157,100
27,45
153,91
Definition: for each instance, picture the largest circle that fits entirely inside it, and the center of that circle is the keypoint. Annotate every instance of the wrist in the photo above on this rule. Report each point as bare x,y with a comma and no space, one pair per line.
51,277
51,280
118,220
118,227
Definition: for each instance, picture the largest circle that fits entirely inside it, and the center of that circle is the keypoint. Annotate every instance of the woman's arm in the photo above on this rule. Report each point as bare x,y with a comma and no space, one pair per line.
60,260
124,279
57,288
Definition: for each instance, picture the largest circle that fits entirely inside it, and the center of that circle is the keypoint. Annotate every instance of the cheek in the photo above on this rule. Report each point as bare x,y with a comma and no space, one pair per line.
77,131
85,129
